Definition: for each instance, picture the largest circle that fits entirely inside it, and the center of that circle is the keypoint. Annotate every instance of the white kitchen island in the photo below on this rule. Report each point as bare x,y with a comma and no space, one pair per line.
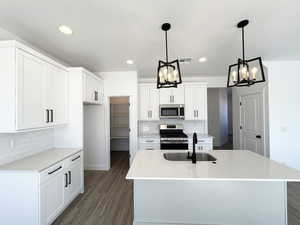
241,188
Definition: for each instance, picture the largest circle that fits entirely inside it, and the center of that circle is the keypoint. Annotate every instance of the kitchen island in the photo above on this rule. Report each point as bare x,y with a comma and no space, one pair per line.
238,188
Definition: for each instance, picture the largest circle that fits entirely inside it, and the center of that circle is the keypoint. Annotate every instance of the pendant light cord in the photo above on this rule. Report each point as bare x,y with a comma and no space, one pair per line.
243,44
166,37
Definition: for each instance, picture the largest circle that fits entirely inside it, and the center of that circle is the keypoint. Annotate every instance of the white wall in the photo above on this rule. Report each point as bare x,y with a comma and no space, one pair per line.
284,112
217,109
121,83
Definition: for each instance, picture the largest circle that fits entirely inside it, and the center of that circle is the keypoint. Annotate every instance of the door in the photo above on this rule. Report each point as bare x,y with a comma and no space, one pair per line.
30,89
251,123
153,104
165,96
73,181
196,102
56,94
178,95
52,199
144,102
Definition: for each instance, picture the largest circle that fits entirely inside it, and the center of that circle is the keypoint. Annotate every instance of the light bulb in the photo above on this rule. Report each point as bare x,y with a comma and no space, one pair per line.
244,72
175,73
234,77
254,71
170,77
161,77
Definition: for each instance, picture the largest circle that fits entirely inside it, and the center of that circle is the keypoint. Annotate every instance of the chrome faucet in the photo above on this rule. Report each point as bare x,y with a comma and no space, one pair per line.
194,155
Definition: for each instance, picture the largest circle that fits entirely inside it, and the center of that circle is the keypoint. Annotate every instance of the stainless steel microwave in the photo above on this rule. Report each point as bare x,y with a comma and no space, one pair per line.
171,111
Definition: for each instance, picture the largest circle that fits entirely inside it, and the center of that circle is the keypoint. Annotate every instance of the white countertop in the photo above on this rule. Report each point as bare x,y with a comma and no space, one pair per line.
157,136
199,136
39,161
231,165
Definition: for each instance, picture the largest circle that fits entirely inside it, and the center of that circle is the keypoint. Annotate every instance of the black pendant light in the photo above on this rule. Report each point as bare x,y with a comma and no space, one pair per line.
168,73
245,72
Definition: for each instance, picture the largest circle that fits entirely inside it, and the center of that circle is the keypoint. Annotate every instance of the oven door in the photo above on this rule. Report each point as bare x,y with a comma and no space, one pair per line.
169,112
174,146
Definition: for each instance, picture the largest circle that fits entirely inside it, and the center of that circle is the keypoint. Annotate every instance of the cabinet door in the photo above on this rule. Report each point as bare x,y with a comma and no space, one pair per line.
195,102
177,95
52,199
144,102
73,176
98,92
165,96
57,94
30,86
153,99
90,89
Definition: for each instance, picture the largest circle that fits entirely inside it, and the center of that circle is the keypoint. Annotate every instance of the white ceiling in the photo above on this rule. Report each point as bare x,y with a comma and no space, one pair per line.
108,32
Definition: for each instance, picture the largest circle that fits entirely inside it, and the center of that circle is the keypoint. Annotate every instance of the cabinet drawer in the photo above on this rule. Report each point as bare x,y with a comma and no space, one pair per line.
154,146
149,140
202,141
76,158
51,171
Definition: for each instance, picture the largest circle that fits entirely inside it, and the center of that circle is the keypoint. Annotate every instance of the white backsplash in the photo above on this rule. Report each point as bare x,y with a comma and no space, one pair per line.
152,127
20,145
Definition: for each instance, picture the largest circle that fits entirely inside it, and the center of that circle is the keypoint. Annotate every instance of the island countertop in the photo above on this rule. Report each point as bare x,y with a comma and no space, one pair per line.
230,165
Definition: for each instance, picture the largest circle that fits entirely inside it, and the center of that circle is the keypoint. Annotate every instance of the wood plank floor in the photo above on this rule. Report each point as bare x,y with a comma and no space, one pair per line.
108,198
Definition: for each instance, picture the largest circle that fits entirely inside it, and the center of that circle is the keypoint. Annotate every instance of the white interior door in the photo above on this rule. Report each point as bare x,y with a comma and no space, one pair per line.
252,124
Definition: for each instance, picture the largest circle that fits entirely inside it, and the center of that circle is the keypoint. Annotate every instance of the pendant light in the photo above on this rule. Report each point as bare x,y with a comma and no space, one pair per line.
245,72
168,73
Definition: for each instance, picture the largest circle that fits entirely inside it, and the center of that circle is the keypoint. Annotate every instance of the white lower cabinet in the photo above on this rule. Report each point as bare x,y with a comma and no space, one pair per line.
59,186
36,194
204,143
52,198
150,143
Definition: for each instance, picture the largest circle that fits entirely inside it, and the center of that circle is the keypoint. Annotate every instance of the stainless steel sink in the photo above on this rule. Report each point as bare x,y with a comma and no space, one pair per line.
184,157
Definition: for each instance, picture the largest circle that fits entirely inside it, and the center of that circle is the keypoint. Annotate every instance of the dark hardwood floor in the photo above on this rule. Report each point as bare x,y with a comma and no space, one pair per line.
108,198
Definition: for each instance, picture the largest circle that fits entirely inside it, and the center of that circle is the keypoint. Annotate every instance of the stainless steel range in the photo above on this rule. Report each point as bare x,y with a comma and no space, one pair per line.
172,137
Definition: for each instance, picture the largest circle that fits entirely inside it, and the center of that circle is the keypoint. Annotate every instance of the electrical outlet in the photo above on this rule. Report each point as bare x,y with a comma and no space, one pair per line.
146,129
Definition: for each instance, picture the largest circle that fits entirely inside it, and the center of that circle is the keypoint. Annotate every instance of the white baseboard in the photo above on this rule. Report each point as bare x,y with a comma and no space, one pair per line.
96,167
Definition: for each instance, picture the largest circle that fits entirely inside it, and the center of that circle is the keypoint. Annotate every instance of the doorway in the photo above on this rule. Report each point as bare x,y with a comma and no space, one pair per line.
119,129
219,106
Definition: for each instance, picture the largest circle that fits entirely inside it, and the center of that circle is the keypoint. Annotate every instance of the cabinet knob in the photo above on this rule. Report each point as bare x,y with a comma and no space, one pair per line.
258,136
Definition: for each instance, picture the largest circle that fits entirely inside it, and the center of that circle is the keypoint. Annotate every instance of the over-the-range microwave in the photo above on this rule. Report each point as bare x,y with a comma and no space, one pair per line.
171,111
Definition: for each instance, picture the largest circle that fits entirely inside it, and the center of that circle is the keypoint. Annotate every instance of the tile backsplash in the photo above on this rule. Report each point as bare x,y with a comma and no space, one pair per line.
152,127
20,145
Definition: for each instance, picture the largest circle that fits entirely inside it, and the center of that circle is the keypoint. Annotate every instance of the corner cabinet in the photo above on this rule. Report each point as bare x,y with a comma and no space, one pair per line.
148,102
196,101
33,89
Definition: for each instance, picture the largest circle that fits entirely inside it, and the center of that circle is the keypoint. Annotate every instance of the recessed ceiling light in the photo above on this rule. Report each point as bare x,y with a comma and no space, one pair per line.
203,59
65,29
129,62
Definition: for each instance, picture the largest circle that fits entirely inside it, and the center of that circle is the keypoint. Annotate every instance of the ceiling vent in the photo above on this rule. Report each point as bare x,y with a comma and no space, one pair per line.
186,60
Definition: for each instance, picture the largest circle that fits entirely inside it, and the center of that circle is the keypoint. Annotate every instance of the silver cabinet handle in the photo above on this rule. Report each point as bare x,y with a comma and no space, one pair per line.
149,148
195,113
149,141
171,98
150,113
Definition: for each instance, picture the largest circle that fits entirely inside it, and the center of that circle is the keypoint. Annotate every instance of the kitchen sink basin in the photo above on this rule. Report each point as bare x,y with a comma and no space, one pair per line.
184,157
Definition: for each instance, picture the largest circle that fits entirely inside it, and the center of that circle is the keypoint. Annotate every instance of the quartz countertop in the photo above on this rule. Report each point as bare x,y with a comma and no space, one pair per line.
230,165
40,161
199,136
157,136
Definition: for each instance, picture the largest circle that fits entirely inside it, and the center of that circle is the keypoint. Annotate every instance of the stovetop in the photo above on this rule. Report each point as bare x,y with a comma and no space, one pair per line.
173,135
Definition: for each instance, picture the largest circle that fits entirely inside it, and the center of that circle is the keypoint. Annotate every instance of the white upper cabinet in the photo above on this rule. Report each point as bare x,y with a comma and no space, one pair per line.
56,91
196,101
172,95
93,88
148,102
33,89
30,91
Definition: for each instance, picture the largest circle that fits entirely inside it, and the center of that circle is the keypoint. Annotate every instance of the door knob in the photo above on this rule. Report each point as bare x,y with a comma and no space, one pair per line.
258,136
